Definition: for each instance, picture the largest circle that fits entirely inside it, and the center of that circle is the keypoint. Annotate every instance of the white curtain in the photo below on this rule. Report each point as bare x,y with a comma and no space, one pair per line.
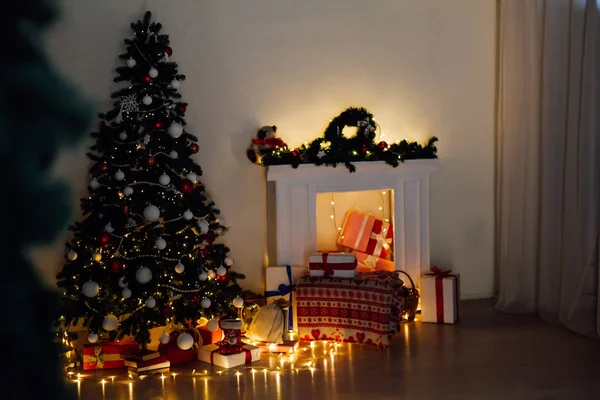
548,161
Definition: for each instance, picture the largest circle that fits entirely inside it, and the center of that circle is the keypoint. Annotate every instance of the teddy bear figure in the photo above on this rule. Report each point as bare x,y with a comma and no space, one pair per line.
265,142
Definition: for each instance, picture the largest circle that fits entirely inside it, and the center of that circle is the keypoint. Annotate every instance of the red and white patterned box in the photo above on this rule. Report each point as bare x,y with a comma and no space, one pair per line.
363,310
340,265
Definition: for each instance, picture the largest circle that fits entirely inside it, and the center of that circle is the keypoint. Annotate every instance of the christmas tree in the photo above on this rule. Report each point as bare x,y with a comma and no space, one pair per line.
145,253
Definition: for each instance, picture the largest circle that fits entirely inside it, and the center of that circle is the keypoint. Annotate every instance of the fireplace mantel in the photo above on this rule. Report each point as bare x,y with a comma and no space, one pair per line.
296,190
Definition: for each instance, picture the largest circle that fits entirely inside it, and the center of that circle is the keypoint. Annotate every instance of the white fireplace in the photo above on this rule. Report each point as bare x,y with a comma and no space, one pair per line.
295,204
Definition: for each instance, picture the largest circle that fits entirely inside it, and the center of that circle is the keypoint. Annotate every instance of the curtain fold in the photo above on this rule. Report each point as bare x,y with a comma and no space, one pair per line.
548,161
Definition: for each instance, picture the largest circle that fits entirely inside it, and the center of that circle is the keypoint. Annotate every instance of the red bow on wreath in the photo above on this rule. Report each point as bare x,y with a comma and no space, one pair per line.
271,142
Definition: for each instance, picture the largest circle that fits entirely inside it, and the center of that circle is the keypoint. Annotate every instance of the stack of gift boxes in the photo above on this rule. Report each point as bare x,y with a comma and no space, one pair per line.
231,351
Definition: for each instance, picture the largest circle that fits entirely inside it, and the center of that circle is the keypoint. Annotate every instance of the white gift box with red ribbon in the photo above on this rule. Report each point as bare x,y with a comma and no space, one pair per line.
340,265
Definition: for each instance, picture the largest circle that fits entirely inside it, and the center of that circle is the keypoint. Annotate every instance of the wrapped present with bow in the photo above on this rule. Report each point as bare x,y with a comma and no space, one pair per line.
280,283
335,264
106,355
369,263
440,294
367,234
211,354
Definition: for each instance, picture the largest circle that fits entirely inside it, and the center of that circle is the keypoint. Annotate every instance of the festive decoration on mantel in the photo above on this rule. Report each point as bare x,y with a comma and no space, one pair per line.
145,255
334,148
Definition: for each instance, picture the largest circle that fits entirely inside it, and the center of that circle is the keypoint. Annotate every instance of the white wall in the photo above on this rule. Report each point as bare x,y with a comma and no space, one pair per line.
422,67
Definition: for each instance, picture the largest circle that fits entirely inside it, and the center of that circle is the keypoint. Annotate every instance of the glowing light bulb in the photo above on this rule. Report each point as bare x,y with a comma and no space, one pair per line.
380,208
331,216
332,203
383,192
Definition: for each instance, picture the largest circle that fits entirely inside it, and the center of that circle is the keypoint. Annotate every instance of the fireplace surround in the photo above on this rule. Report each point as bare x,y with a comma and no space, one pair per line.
295,207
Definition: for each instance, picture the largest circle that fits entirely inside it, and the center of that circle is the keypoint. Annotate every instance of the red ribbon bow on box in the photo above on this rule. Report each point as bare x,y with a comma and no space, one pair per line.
439,291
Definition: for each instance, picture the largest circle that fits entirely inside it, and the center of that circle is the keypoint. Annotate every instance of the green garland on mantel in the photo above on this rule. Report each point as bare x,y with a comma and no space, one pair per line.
334,148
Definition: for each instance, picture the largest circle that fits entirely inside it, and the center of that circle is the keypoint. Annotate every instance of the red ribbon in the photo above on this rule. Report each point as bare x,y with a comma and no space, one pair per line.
439,291
247,353
271,142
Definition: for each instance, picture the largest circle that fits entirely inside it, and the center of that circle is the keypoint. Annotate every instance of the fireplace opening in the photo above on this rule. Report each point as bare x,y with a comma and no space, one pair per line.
360,222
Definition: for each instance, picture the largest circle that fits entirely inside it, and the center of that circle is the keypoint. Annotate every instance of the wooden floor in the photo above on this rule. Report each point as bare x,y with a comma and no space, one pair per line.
488,355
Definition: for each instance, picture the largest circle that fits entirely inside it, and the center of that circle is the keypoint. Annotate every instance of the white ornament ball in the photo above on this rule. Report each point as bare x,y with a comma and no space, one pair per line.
131,62
90,288
94,184
143,275
151,213
175,84
160,243
123,135
109,228
110,323
72,255
119,175
187,215
192,177
205,303
175,129
238,302
173,154
126,293
212,274
203,225
179,268
203,276
123,282
164,179
128,191
146,100
92,337
97,256
221,271
152,72
165,338
185,341
228,261
150,303
212,325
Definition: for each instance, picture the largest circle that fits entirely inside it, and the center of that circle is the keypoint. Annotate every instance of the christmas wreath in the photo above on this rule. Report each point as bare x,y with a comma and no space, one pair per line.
334,148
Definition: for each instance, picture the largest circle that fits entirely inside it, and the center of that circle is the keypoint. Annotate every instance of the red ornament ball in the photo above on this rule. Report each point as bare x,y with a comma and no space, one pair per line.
294,154
125,209
116,265
186,186
363,149
150,161
166,311
103,167
223,279
194,148
148,79
382,145
104,237
158,125
183,109
168,51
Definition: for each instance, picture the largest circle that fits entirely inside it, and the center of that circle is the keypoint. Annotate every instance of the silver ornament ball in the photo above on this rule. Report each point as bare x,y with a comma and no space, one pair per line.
179,268
72,255
90,288
221,271
173,154
203,225
164,179
146,100
119,175
94,184
175,84
123,282
109,228
228,261
126,293
143,275
205,302
165,338
160,243
131,62
152,72
110,323
150,303
188,215
123,135
92,337
185,341
192,177
212,325
238,302
151,213
175,129
203,275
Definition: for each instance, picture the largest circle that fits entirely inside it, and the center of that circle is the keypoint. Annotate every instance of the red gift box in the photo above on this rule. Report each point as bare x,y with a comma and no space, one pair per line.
367,234
172,351
209,337
369,263
106,355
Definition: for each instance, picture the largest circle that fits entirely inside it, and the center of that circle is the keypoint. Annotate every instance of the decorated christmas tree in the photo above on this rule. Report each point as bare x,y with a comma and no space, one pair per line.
144,254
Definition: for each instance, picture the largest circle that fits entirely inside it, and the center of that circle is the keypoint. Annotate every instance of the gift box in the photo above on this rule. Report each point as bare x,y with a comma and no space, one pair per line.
290,346
280,283
210,354
440,291
106,355
367,234
148,365
174,354
209,337
340,265
369,263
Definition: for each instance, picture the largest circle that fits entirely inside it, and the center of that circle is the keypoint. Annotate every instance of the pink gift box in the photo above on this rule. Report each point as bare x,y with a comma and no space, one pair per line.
366,234
370,263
